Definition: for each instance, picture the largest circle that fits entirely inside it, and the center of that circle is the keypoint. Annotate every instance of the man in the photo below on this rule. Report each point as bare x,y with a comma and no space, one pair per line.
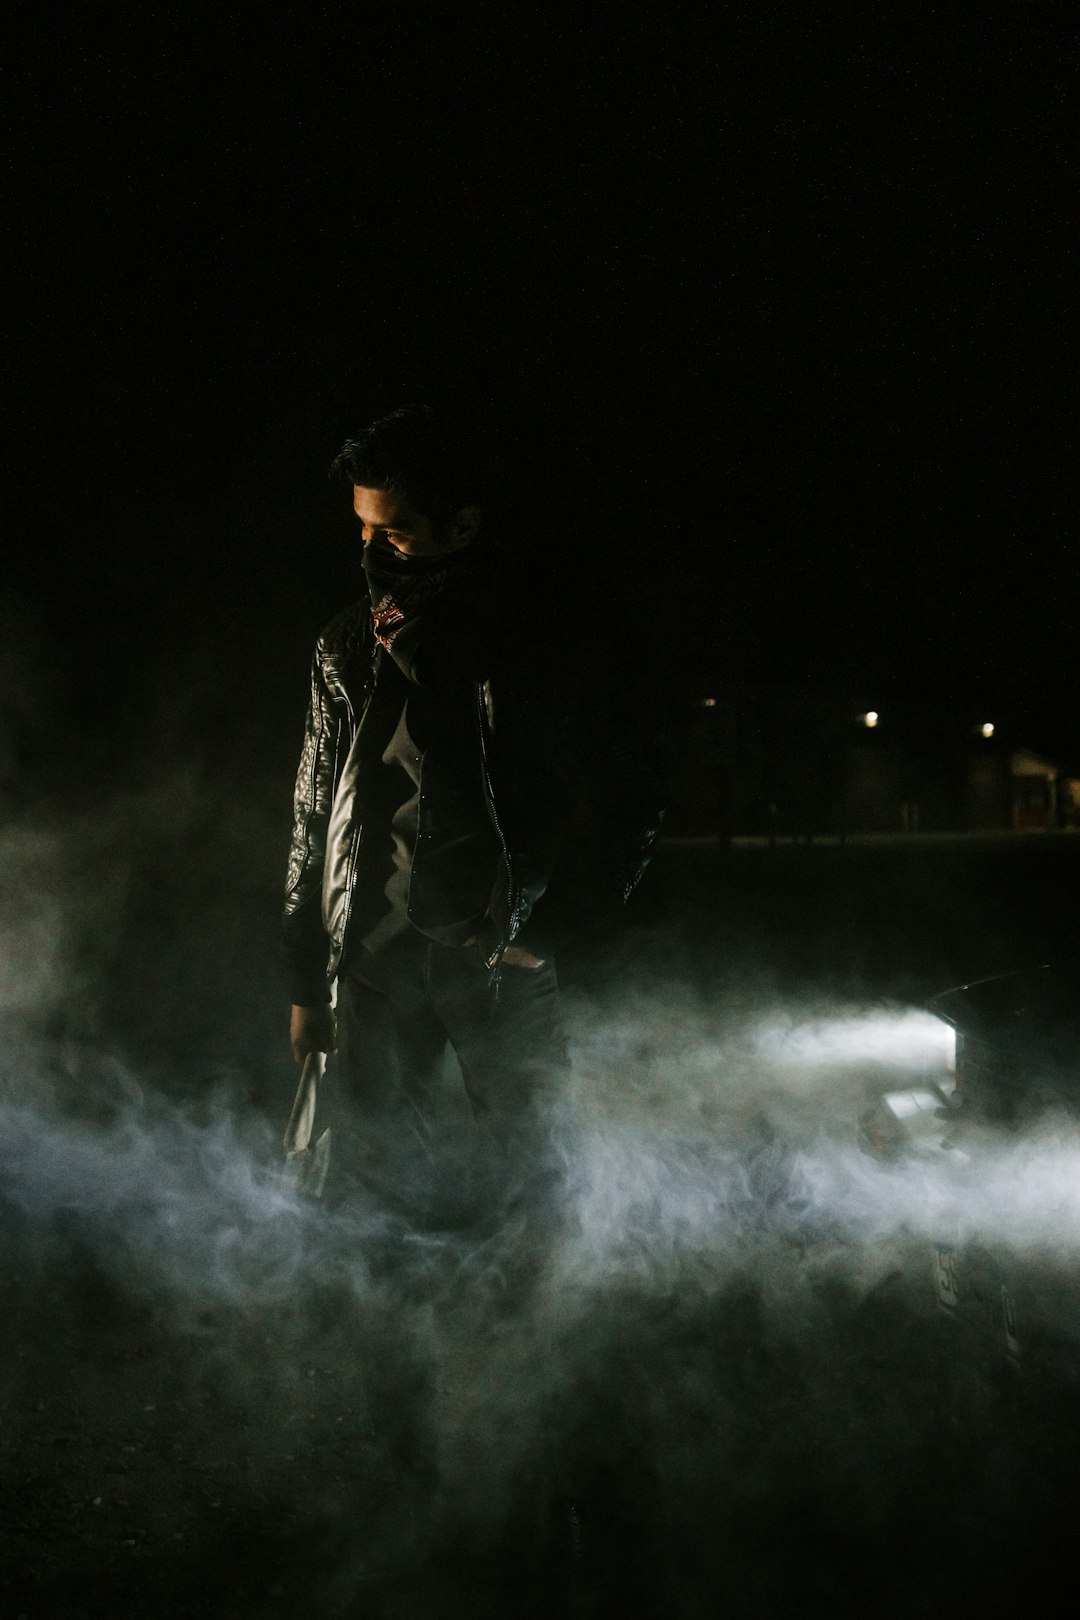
463,806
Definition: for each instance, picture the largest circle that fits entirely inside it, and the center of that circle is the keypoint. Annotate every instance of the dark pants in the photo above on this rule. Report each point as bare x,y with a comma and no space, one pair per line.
440,1141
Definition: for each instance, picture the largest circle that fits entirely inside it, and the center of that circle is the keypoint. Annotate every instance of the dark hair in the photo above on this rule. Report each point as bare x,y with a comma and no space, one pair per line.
416,453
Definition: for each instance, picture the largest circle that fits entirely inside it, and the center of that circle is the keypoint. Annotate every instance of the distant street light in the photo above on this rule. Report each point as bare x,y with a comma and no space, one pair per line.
870,718
987,729
708,703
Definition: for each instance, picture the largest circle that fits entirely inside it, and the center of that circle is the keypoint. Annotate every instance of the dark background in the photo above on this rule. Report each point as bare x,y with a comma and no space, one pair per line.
767,318
769,311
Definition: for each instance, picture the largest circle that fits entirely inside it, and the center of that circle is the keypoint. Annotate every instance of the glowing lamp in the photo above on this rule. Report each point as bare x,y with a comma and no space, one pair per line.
870,718
987,729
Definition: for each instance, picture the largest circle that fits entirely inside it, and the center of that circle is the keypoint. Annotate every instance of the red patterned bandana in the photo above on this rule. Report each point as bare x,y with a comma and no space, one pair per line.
388,620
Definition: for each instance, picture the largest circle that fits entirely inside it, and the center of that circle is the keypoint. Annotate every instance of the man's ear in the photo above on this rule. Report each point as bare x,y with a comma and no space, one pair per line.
466,525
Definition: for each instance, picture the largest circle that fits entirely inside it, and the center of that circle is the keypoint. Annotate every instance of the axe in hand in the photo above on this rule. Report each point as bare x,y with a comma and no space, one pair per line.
306,1166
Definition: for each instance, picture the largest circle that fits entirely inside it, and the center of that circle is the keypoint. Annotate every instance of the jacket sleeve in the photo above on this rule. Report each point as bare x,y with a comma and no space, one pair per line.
615,814
587,823
304,944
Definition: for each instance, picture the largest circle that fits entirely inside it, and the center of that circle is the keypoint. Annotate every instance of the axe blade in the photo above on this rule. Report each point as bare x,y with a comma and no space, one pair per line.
306,1166
302,1119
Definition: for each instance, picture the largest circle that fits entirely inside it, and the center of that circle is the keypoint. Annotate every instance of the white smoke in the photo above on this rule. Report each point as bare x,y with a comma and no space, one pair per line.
693,1151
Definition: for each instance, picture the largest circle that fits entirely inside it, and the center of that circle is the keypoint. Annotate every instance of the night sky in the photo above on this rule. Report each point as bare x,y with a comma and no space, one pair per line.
766,310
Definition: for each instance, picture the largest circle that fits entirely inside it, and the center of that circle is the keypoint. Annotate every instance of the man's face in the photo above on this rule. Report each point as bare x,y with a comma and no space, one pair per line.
387,519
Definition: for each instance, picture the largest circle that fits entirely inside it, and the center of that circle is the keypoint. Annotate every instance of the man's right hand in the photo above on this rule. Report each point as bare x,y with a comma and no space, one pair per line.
312,1029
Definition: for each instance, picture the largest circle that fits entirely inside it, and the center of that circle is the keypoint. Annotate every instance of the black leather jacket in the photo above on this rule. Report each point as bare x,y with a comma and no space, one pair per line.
572,798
